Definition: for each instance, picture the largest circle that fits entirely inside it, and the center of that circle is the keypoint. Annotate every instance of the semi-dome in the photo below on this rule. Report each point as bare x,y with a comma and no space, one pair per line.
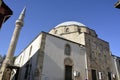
70,23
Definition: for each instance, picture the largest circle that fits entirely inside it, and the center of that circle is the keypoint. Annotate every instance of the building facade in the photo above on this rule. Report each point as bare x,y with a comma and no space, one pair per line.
70,51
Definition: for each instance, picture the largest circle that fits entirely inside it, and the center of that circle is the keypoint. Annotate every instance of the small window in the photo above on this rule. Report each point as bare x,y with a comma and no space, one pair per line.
20,59
30,51
100,75
67,30
56,31
119,62
67,49
79,30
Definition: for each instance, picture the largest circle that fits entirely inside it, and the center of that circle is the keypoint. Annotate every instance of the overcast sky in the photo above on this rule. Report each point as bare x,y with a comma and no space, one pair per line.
43,15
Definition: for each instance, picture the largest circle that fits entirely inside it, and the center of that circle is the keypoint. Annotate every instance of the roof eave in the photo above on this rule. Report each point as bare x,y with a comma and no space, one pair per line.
8,12
117,5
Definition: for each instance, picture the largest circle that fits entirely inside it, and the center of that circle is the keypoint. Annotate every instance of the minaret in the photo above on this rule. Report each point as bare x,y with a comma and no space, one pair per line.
10,54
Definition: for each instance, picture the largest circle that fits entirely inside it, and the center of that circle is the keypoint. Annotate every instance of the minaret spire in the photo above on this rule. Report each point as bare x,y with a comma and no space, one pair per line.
22,15
10,54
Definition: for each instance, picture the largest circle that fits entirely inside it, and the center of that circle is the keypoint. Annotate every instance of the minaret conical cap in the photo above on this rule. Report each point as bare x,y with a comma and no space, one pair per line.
22,15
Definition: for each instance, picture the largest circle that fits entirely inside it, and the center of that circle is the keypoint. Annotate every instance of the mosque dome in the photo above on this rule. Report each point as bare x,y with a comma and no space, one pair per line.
71,28
67,23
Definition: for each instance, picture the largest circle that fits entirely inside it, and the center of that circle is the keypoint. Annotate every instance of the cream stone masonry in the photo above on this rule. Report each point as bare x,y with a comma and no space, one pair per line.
75,32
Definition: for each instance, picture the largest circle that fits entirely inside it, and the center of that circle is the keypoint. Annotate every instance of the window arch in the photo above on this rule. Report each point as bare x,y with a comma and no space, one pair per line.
30,51
67,30
68,61
79,30
67,49
56,31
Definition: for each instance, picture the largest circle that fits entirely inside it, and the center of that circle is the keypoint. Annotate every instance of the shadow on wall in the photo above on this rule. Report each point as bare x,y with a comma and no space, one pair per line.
32,68
27,71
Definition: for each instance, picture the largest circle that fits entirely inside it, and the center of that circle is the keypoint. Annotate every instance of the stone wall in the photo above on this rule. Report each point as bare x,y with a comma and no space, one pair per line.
98,55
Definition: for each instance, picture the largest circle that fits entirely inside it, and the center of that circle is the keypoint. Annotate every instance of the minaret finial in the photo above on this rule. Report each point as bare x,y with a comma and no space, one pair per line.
22,15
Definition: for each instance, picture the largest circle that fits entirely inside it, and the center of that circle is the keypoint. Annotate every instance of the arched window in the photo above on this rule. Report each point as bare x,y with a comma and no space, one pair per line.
79,30
67,30
67,49
30,51
56,31
20,59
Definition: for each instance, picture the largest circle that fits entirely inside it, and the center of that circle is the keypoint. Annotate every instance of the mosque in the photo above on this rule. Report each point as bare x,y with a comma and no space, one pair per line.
69,51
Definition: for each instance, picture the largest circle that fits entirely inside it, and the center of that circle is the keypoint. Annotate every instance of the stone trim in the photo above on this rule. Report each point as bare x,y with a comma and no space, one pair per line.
68,61
40,58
